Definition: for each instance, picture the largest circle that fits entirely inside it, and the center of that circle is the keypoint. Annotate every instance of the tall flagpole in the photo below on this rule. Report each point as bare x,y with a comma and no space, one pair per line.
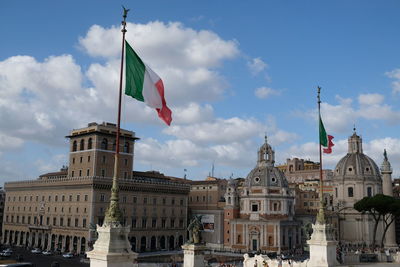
321,215
113,214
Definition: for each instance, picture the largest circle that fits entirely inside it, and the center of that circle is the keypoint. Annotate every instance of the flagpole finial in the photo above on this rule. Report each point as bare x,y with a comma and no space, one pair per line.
354,128
124,16
319,92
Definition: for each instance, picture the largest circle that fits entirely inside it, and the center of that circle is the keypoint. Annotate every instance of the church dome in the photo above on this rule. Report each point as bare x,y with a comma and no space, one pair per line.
356,163
265,173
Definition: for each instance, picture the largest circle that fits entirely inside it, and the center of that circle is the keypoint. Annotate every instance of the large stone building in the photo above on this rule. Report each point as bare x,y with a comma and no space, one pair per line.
356,176
60,210
259,214
206,199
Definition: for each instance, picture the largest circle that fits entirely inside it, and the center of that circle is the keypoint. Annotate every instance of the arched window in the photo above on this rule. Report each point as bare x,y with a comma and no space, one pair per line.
104,144
82,146
74,146
89,145
126,147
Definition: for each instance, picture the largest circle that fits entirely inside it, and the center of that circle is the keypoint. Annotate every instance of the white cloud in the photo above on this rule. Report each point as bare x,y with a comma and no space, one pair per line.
394,74
256,65
265,92
220,131
162,44
370,99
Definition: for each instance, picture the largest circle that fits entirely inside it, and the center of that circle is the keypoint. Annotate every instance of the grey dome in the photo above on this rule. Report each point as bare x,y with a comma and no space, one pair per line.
265,173
356,163
268,176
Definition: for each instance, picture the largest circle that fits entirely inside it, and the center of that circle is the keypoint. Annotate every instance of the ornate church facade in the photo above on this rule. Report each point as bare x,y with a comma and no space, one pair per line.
259,212
357,176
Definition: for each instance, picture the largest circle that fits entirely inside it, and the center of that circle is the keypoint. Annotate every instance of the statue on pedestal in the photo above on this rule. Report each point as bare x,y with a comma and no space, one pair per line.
194,228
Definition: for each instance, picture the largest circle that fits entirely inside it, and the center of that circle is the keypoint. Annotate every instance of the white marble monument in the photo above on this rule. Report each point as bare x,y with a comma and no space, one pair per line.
112,248
322,246
193,255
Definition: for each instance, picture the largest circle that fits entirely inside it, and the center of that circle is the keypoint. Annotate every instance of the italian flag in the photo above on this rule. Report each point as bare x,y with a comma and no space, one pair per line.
145,85
325,140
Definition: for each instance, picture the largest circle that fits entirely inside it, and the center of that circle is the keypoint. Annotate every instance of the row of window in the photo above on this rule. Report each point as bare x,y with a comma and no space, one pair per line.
49,198
103,160
40,221
42,209
104,145
145,200
203,198
350,192
144,223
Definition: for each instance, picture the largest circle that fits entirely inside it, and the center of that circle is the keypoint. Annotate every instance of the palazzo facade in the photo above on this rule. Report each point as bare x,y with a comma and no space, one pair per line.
60,211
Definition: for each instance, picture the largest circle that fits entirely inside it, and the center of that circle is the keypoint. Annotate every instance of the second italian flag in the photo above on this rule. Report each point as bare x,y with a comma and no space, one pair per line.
325,140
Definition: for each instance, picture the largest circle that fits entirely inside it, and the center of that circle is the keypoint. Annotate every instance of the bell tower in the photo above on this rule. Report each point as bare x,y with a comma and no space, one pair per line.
92,151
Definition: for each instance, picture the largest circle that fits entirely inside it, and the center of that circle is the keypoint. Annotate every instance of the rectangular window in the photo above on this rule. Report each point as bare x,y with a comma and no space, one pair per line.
102,198
103,172
144,223
134,200
81,159
180,223
154,201
254,207
350,192
78,197
88,172
126,162
133,222
173,201
154,223
163,224
88,159
54,221
48,221
369,191
86,197
69,222
63,198
61,221
73,160
76,222
70,197
336,194
84,223
172,223
145,200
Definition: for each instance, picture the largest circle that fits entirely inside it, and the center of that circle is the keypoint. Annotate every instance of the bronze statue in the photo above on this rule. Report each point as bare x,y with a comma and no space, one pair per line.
385,155
194,228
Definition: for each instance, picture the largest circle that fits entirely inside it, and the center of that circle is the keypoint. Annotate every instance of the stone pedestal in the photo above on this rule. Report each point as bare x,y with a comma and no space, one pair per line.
193,255
112,248
322,246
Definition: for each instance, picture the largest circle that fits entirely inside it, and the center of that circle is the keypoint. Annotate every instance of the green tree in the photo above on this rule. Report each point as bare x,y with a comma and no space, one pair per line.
364,206
381,207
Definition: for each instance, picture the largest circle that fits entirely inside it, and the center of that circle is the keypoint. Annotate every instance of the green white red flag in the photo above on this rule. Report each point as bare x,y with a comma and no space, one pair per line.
145,85
325,140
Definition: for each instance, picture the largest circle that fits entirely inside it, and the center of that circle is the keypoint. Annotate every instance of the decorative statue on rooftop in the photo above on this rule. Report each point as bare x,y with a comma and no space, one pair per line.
194,228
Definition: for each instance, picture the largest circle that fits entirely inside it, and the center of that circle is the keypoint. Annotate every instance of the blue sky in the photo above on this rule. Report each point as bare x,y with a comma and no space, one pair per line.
232,70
